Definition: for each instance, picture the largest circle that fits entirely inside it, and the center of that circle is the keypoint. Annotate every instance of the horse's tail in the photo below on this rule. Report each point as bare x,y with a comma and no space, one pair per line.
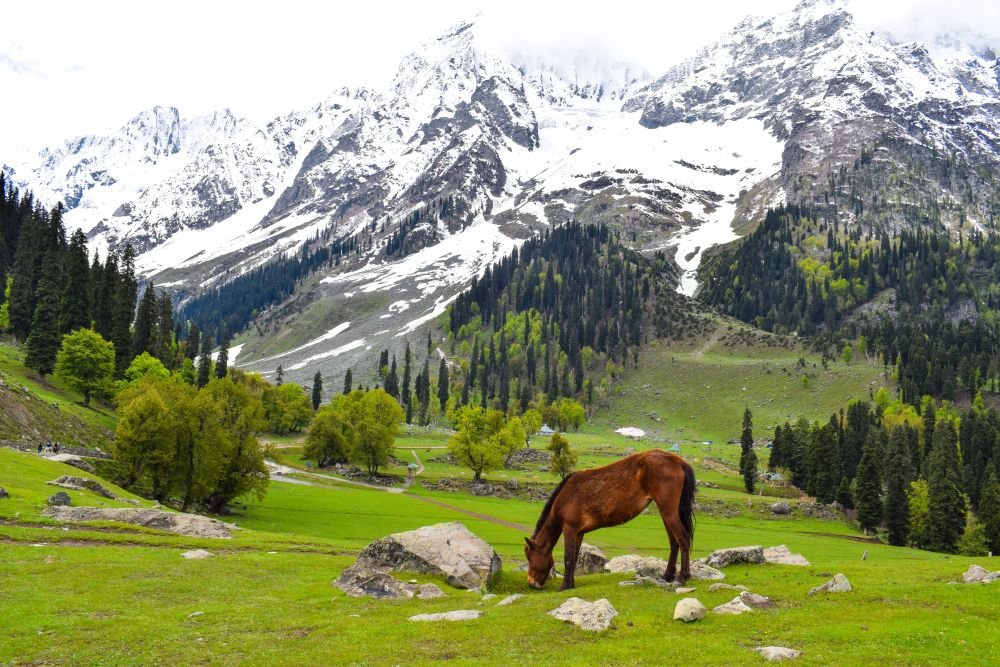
686,509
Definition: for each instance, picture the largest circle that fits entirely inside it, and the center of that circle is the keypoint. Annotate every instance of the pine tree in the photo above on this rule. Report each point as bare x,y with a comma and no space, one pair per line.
392,380
775,459
989,510
193,342
443,388
165,331
279,376
897,467
76,307
348,382
145,323
123,310
24,274
824,463
205,362
946,506
317,390
222,361
44,340
407,364
869,487
748,459
844,494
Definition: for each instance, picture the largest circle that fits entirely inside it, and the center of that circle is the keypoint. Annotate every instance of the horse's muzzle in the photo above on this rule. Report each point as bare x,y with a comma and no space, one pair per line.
534,584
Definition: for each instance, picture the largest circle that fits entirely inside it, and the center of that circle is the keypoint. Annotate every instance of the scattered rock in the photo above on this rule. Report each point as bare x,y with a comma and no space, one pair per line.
591,560
735,606
777,653
755,601
73,460
819,511
510,599
736,556
446,549
82,484
197,554
685,590
192,525
780,555
688,610
839,584
642,580
359,581
702,572
722,587
488,597
59,499
645,565
429,592
482,489
3,493
457,615
979,575
781,508
195,613
593,616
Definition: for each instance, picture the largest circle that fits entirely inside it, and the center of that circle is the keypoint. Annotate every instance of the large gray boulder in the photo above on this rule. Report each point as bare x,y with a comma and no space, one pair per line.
781,508
979,575
688,610
591,560
780,555
839,584
59,499
449,550
734,607
649,566
702,572
361,581
75,483
736,556
193,525
593,616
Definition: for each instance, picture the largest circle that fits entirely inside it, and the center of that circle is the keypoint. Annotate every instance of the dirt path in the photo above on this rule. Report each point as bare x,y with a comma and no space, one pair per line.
712,340
474,515
279,473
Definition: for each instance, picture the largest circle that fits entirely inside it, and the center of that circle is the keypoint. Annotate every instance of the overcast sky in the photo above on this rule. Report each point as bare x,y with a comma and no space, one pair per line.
72,67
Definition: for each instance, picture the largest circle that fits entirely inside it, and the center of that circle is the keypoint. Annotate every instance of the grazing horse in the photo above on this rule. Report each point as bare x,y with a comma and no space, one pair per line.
610,496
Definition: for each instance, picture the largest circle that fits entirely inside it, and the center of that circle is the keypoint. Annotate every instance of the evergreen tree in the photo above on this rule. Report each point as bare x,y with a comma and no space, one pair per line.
844,494
123,310
348,381
897,466
43,341
775,459
989,511
193,342
407,364
25,274
869,487
946,506
222,361
165,331
443,388
76,306
392,380
205,362
317,390
824,463
279,376
145,323
748,459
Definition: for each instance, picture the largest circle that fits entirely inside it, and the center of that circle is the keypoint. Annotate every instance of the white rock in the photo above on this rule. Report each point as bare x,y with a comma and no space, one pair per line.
755,601
780,555
736,556
193,525
195,613
684,590
839,584
722,587
429,592
703,572
777,653
593,616
735,606
591,560
488,597
688,610
197,554
510,599
457,615
977,574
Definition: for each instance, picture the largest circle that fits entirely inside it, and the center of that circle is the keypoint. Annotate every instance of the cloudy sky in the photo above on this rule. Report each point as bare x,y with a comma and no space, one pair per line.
73,67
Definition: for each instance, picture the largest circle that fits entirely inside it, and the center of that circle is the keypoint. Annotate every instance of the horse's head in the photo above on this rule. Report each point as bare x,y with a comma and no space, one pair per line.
539,563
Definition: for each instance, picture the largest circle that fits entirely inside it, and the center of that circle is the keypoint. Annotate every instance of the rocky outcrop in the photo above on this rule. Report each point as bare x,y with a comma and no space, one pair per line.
977,574
755,601
82,484
688,610
703,572
457,615
591,560
780,555
839,584
449,550
360,581
734,607
649,566
192,525
592,616
736,556
781,508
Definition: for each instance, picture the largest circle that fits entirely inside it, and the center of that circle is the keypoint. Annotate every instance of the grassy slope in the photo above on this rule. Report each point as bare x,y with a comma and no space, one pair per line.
27,409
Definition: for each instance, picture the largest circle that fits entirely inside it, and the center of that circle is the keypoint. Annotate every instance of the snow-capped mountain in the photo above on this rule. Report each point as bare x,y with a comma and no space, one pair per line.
471,148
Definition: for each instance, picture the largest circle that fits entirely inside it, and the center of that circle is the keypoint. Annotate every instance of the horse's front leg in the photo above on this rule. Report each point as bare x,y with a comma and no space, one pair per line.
672,562
571,548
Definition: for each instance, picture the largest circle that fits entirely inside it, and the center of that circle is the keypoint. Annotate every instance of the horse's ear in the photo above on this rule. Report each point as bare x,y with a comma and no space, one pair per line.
528,541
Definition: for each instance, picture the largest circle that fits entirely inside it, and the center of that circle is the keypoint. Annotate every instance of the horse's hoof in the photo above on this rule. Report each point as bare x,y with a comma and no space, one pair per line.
566,587
668,578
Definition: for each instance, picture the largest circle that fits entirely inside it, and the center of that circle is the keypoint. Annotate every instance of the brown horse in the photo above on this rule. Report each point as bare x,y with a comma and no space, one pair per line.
610,496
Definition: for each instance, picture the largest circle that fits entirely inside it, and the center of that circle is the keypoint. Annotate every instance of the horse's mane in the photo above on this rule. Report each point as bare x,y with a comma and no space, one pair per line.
548,505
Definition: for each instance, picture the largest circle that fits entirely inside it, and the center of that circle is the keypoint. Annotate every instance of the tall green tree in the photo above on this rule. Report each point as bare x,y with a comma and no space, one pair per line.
317,390
43,341
824,463
123,310
25,274
348,382
562,460
222,361
989,511
145,323
75,311
205,362
868,497
331,435
946,505
748,459
86,363
443,388
897,467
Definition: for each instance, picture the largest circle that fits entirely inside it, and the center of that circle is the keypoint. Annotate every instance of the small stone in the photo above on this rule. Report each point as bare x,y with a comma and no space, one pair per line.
736,556
781,508
510,599
703,572
684,590
195,613
60,498
429,592
3,493
412,581
755,601
488,597
839,584
197,554
780,555
457,615
640,580
777,653
593,616
724,587
688,610
733,607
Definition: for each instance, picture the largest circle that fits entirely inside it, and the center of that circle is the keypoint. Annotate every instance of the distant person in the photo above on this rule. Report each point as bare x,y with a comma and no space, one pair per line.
40,447
308,465
55,448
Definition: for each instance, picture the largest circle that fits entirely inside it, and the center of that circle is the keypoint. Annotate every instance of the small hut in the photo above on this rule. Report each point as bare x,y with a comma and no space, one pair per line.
545,430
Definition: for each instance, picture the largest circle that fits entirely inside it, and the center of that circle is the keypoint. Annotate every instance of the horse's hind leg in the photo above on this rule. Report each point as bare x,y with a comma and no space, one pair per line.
672,563
679,539
571,548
